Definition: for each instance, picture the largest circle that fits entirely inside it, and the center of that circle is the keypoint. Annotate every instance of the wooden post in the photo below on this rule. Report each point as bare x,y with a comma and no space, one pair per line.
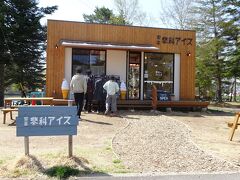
70,146
26,145
234,127
154,97
4,117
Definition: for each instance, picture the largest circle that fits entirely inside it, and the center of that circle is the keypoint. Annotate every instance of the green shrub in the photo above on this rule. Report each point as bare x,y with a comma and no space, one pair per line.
62,172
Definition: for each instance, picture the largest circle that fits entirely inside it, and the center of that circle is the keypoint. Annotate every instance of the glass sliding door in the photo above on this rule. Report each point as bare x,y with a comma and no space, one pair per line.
134,75
158,70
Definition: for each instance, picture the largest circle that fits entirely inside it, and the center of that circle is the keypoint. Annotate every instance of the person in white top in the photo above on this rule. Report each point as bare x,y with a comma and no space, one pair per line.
111,100
78,86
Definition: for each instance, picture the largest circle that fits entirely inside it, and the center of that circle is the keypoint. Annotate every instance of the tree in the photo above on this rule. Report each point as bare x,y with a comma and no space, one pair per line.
210,31
204,72
105,16
130,11
4,50
177,14
24,43
217,23
231,33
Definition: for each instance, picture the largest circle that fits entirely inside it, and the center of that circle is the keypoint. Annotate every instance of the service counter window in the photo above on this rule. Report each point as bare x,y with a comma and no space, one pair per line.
95,60
158,70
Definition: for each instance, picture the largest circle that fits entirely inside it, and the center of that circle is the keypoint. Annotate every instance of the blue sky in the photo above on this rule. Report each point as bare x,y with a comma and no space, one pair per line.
72,10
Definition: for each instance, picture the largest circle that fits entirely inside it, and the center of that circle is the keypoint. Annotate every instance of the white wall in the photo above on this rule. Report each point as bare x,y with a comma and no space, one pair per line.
176,77
116,63
68,64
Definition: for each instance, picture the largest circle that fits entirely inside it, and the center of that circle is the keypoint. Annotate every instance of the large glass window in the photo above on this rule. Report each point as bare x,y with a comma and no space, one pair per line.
158,70
94,60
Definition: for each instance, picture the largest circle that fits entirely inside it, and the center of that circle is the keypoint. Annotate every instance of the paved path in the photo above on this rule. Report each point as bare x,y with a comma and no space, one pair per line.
223,176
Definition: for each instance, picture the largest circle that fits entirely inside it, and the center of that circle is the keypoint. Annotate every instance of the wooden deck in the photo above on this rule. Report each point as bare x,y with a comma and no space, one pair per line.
147,104
161,104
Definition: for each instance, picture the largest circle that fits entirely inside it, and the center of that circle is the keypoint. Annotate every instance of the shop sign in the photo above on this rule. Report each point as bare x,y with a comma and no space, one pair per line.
174,40
47,121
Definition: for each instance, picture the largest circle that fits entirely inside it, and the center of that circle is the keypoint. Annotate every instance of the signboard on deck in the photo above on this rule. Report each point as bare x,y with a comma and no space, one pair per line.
46,121
163,96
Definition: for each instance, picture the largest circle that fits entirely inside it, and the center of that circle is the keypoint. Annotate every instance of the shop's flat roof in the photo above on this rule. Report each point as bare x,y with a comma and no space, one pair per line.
133,26
106,45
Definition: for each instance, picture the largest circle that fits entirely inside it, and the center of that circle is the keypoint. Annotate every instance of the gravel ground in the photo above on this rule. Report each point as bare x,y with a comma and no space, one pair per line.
163,144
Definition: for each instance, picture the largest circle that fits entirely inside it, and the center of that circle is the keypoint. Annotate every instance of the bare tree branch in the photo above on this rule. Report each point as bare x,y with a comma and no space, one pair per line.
131,12
177,14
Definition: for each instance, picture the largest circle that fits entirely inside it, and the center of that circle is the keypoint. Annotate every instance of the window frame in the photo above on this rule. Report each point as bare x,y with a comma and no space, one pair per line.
173,71
89,54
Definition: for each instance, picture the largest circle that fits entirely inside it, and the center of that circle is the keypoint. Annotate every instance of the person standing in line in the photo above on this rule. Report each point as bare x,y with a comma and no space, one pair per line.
89,94
78,86
100,94
111,100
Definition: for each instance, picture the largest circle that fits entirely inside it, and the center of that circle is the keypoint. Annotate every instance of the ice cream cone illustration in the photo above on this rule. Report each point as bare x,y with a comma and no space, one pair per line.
65,89
123,90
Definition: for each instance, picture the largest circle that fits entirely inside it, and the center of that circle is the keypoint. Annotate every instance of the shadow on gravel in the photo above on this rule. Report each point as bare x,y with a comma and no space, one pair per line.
215,112
126,116
210,112
12,124
97,122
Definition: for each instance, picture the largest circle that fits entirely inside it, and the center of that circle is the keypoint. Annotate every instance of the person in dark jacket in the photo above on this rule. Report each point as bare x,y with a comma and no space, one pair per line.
100,94
90,90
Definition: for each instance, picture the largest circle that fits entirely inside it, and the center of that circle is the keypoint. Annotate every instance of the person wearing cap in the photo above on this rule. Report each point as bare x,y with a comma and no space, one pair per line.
78,86
112,89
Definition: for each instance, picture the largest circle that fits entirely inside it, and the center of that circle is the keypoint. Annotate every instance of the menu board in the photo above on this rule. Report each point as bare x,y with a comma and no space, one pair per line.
163,96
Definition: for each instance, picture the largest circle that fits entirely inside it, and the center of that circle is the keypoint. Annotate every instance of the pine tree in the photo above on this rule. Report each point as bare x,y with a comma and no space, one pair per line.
210,32
4,49
231,33
105,16
204,72
23,44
